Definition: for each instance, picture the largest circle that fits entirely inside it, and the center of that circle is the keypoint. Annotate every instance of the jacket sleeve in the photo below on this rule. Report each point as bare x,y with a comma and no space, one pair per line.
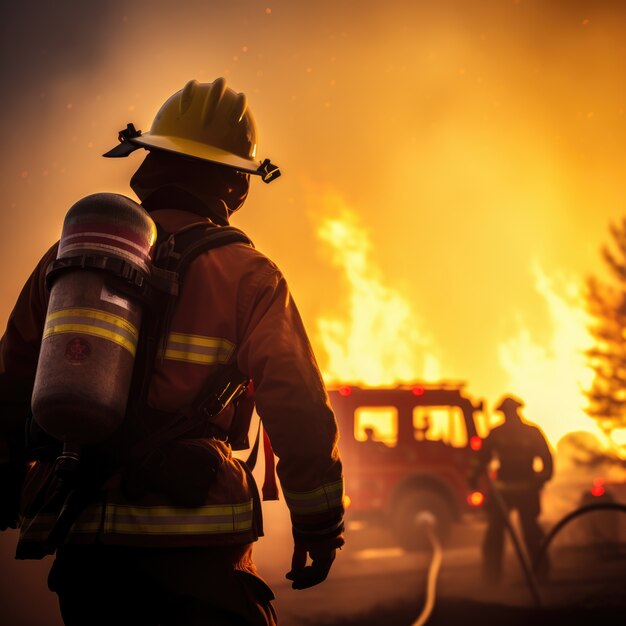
19,352
542,450
292,402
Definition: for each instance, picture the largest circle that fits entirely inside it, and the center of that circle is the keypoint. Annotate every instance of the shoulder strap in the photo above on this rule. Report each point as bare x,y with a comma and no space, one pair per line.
179,249
174,253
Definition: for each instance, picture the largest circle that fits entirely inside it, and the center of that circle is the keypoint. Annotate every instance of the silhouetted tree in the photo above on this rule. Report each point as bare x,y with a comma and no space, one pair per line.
606,303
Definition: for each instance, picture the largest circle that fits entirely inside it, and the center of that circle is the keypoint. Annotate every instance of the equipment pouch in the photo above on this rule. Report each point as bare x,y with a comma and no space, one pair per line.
188,469
182,470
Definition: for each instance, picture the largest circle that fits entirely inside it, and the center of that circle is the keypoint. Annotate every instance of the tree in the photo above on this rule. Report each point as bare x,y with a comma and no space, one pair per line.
606,304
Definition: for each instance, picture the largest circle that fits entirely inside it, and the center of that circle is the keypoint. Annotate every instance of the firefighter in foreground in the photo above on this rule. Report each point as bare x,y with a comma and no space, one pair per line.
516,445
140,549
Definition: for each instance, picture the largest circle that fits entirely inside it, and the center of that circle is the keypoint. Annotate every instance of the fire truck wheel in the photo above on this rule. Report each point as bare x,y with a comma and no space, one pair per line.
405,518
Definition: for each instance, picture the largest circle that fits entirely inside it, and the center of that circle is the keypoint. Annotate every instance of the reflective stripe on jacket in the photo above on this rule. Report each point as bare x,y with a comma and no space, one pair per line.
234,306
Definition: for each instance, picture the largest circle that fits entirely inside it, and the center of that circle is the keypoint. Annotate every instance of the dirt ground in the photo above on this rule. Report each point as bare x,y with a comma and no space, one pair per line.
374,582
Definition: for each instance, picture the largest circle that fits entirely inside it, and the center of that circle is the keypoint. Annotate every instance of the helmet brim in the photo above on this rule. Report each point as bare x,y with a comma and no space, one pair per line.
131,140
123,149
196,150
509,404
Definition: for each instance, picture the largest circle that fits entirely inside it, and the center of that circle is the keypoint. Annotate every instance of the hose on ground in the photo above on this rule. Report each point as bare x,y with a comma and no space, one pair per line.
583,510
427,521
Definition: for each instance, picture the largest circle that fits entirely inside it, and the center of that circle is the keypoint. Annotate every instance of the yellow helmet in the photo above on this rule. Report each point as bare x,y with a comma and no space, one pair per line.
509,404
207,121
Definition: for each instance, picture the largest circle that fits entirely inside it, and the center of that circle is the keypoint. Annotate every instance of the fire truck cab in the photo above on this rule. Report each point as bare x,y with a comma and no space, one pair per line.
407,449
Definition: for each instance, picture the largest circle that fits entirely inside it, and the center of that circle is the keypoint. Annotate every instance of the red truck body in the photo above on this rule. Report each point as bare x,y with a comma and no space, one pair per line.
419,459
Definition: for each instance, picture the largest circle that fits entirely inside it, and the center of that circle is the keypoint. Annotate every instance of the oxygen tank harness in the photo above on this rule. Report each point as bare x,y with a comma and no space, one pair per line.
104,280
91,331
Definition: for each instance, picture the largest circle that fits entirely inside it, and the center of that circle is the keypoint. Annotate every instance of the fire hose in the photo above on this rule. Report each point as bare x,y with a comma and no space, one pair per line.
529,573
583,510
427,521
531,568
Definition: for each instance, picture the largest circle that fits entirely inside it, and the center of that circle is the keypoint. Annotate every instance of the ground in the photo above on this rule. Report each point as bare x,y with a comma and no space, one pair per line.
374,582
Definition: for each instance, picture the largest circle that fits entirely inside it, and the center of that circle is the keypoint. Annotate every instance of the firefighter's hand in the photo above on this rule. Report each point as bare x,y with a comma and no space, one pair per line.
304,576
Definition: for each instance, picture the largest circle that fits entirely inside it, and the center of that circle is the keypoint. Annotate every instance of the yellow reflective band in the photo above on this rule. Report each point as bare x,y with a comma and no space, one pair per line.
198,349
199,340
323,498
192,357
95,331
165,520
181,529
96,314
93,322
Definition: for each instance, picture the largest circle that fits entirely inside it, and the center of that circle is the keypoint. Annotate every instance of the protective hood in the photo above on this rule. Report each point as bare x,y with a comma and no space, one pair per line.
168,181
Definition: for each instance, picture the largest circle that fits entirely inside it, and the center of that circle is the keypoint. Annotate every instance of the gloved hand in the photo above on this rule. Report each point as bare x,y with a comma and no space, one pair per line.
322,553
304,576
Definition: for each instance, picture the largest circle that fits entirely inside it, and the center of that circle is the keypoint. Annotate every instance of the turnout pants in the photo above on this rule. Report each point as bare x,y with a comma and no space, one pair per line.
102,585
528,507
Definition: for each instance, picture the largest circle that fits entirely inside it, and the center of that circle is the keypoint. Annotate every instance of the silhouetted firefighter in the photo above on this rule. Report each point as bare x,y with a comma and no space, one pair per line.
516,445
148,333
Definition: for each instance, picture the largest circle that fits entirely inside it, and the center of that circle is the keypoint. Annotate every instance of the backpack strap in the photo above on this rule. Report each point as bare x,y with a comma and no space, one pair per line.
180,248
173,254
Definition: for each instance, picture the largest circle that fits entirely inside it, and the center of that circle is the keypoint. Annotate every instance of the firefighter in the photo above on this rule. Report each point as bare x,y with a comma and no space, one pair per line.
515,445
135,555
372,442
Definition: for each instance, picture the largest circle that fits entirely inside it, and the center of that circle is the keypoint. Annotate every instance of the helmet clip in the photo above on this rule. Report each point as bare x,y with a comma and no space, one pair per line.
268,171
130,132
126,146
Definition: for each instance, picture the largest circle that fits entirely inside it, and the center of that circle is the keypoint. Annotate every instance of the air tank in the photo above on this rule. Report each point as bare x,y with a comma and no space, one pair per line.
93,319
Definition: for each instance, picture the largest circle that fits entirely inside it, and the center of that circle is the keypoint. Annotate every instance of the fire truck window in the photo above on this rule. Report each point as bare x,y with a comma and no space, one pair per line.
441,423
383,420
481,421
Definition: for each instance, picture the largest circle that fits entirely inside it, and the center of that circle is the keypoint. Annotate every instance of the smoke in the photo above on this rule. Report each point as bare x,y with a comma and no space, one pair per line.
468,137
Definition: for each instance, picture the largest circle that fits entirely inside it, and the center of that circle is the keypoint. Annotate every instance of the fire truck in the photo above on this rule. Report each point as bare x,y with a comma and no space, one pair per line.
407,449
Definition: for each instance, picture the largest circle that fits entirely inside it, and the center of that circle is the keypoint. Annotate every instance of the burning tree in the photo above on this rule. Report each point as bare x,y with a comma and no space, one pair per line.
606,303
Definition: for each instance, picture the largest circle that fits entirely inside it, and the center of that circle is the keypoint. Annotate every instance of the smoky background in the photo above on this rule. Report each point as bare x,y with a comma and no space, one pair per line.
470,143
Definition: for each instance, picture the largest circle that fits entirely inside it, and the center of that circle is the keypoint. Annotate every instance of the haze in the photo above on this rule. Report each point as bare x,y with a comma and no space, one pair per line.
474,149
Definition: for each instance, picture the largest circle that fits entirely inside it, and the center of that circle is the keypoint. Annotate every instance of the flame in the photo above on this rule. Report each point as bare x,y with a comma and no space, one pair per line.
551,376
379,341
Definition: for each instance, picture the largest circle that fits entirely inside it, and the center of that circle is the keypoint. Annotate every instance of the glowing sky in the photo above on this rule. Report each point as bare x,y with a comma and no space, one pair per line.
478,148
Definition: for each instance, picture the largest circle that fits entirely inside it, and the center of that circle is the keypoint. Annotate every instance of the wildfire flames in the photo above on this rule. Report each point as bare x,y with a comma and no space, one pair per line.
484,147
551,376
381,340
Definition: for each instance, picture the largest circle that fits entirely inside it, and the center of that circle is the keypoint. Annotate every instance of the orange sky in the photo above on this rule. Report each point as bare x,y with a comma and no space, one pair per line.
477,149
